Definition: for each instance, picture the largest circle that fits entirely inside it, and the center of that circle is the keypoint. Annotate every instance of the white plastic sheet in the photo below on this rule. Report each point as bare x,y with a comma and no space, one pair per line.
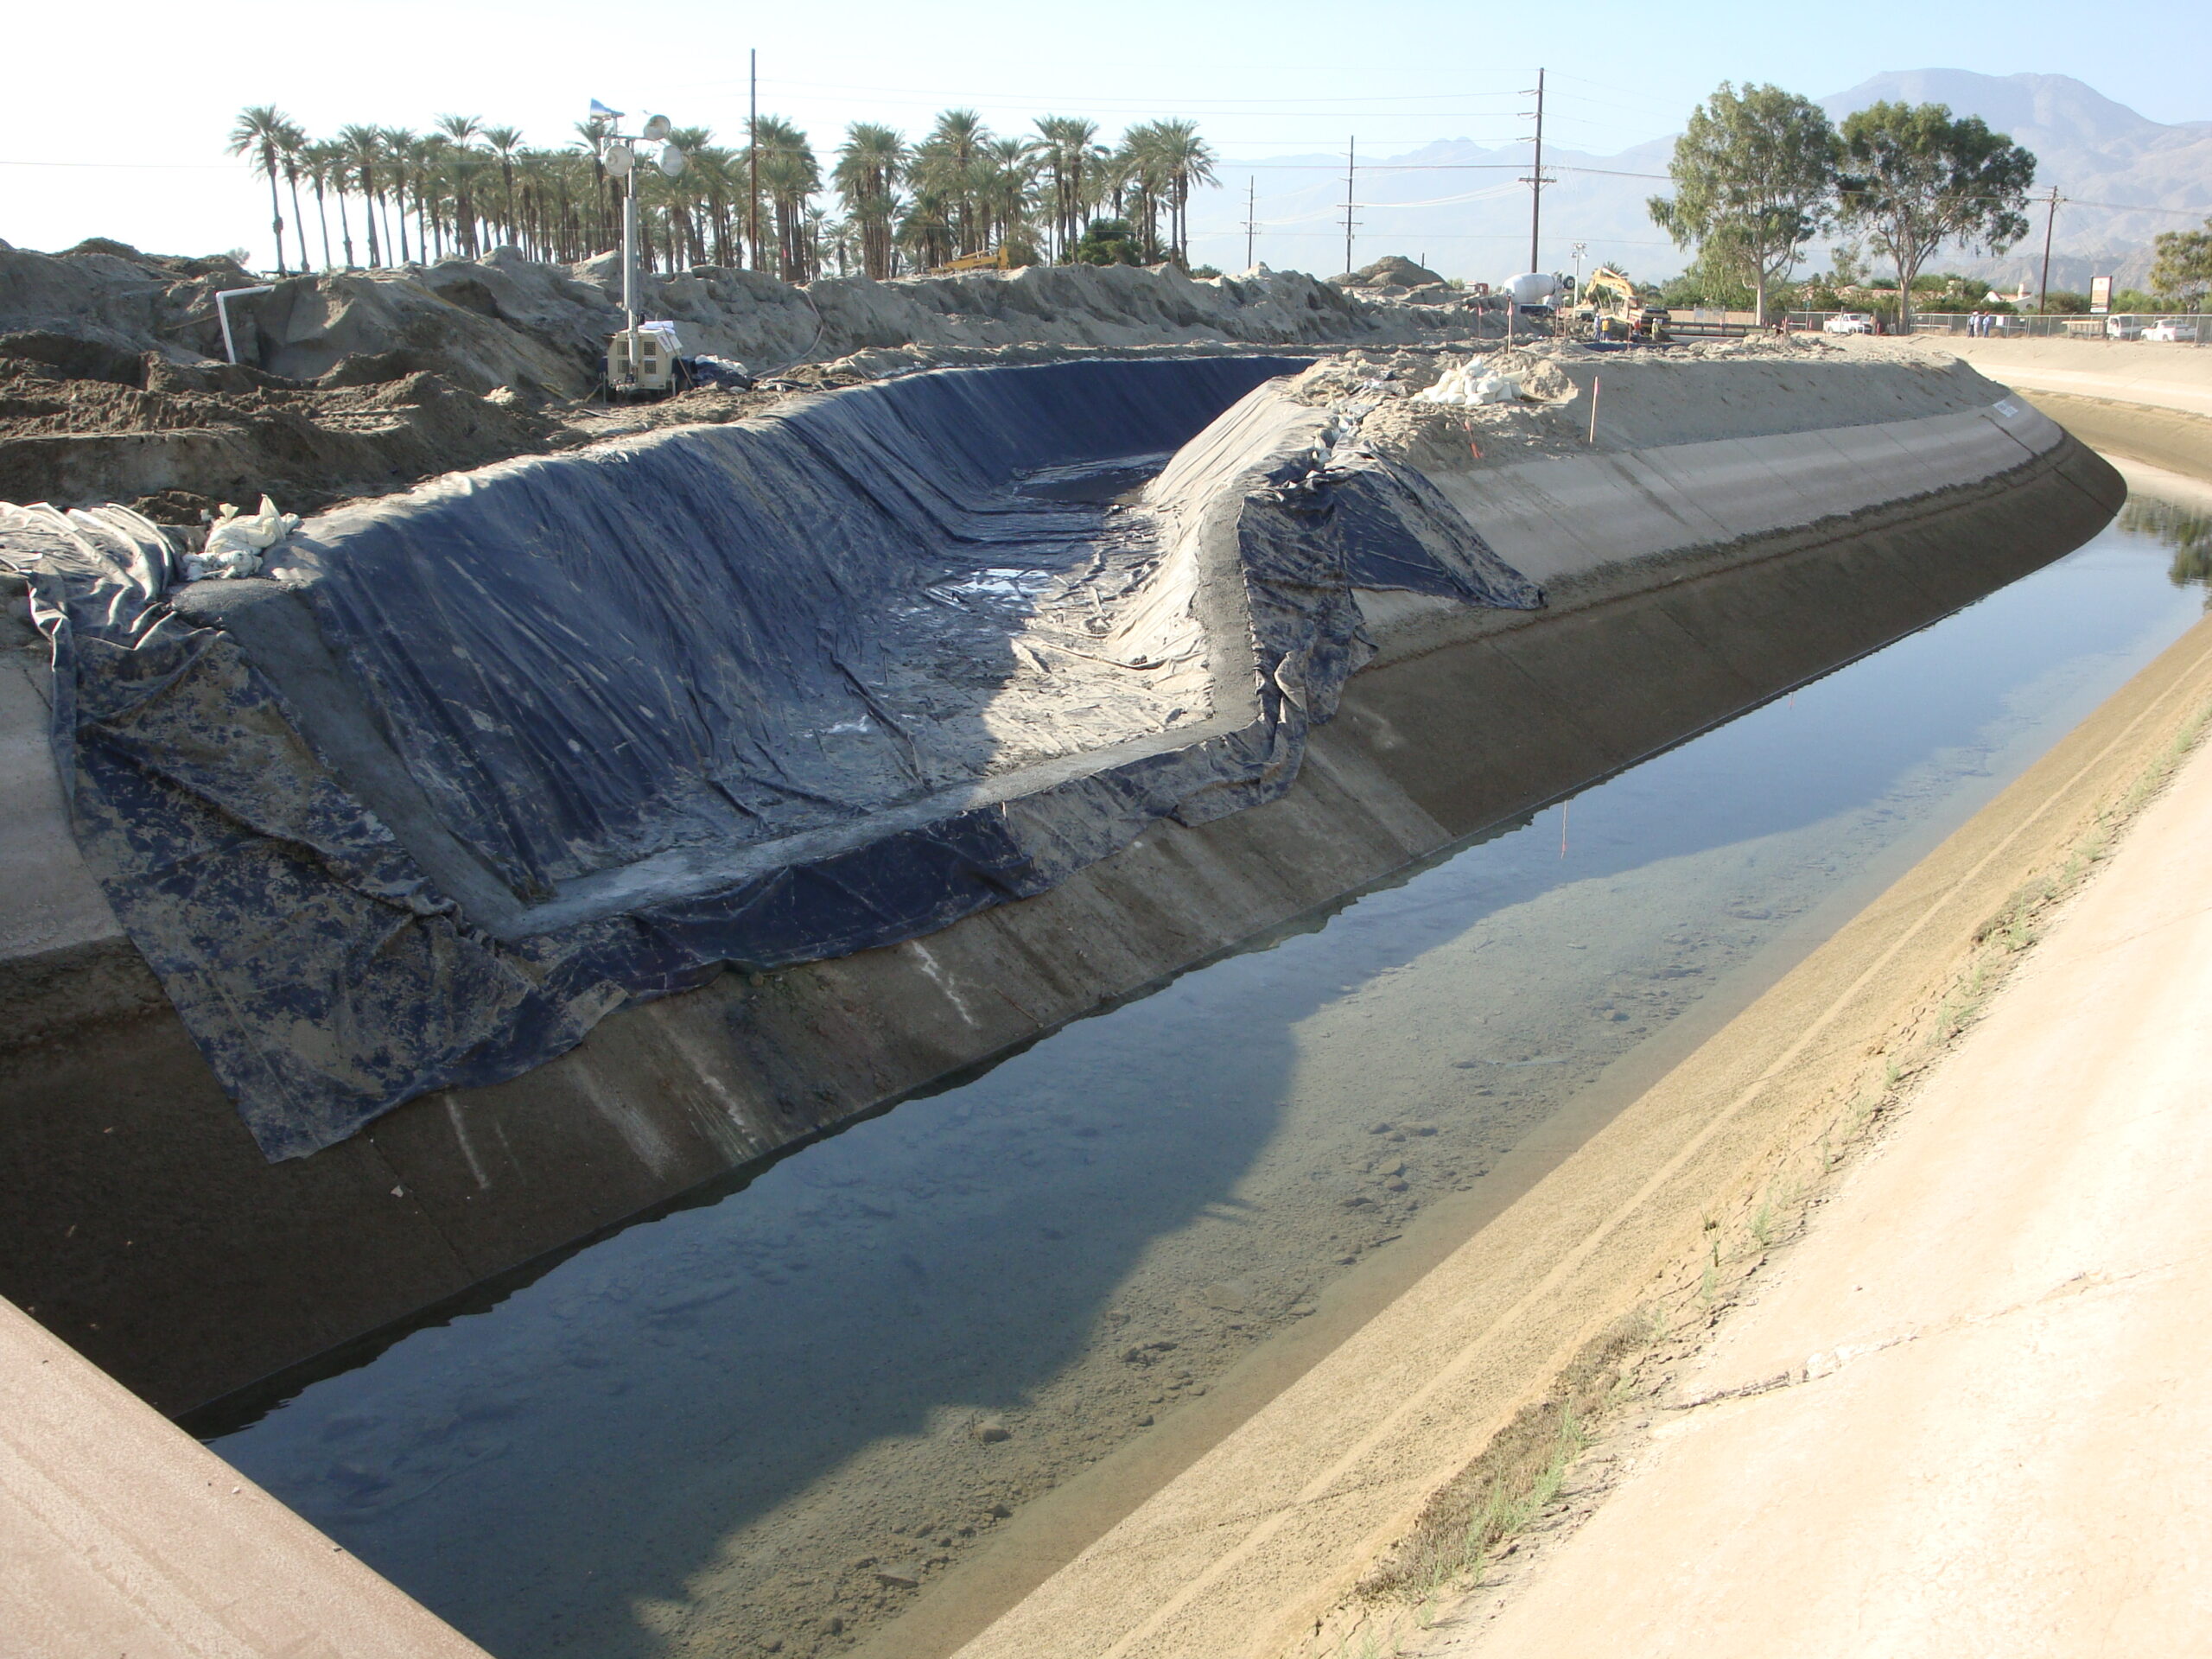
236,543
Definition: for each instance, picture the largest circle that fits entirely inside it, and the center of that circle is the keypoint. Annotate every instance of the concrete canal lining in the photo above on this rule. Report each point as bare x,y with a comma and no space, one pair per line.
123,1536
165,1246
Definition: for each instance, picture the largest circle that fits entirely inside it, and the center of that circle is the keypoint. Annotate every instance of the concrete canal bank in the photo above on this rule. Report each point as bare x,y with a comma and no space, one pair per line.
1263,1544
1684,583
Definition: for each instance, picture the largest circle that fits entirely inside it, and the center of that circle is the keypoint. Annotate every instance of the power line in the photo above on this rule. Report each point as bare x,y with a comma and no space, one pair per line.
140,166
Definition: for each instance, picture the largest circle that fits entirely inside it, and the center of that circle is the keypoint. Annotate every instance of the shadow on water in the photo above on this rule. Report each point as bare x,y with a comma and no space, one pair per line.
751,1419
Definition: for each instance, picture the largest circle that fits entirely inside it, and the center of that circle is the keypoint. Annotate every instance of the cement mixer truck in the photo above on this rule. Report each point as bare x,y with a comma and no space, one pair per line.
1534,292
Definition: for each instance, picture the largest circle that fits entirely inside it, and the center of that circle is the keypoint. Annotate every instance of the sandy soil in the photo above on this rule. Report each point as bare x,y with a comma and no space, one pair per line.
1966,1412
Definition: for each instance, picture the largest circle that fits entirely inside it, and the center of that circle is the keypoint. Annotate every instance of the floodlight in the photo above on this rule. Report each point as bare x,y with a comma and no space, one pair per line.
657,128
671,161
620,159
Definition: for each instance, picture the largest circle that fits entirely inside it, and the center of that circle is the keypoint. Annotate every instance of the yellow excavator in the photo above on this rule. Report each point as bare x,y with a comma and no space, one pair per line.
1608,309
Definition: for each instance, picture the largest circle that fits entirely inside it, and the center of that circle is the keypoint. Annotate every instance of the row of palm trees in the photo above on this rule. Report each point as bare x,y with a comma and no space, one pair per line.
959,190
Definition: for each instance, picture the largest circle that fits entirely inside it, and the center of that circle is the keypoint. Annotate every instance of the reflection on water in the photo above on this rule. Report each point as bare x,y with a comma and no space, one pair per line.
759,1423
2183,528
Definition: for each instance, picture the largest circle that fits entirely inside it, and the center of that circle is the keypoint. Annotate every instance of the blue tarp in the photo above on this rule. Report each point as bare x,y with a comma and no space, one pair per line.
522,765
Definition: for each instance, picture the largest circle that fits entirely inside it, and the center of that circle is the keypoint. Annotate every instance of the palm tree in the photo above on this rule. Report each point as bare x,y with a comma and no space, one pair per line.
924,232
324,168
399,150
363,149
505,143
461,168
291,146
591,139
426,161
869,164
259,132
1184,160
1143,182
1064,143
1007,171
789,175
946,169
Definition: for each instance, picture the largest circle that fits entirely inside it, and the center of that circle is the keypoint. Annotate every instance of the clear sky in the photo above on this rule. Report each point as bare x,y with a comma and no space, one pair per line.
138,97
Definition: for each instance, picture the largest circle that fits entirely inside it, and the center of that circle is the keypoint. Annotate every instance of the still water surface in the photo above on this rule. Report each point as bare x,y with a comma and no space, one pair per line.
755,1424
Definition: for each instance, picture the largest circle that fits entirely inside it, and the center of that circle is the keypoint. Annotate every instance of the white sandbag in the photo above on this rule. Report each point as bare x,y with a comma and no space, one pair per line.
235,544
1470,383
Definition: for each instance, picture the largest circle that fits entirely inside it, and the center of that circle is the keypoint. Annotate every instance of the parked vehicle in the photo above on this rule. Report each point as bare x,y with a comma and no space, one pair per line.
2123,327
1850,322
2171,331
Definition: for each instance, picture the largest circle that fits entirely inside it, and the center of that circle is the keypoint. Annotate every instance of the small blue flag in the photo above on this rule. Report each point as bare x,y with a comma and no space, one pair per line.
598,108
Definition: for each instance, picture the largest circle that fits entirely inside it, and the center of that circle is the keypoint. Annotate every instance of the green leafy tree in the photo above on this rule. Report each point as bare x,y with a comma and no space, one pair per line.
2184,268
1109,242
1915,179
1754,178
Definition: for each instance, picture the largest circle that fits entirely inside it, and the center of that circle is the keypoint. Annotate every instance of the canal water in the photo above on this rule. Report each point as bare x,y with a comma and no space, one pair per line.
761,1423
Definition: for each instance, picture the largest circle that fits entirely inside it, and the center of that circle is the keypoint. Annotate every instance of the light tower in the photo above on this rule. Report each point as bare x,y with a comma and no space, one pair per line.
630,365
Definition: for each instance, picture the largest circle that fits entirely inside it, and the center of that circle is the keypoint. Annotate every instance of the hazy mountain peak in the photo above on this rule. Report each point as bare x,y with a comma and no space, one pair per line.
2038,111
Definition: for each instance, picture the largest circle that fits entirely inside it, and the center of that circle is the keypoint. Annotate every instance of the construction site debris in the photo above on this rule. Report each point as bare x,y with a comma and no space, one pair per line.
236,543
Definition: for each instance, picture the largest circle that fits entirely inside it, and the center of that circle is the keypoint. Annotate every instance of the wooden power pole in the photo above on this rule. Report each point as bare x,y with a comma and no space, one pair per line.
2042,290
1536,180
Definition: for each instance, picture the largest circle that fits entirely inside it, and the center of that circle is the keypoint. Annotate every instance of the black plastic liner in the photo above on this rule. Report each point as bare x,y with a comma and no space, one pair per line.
600,689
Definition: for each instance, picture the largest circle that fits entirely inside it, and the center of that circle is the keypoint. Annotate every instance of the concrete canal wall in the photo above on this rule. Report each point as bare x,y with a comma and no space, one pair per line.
1685,582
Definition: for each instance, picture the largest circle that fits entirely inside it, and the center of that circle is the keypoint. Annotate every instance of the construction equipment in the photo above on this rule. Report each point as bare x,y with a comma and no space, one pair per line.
1609,311
998,259
654,368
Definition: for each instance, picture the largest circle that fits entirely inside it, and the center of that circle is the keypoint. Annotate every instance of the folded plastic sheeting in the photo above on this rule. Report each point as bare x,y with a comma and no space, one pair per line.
581,730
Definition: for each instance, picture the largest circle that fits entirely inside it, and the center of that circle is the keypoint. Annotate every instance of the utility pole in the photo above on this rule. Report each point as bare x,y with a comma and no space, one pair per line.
2050,221
753,158
1537,181
1251,217
1351,165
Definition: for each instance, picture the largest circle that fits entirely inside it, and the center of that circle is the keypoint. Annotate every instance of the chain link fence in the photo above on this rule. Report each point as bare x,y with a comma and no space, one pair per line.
2169,327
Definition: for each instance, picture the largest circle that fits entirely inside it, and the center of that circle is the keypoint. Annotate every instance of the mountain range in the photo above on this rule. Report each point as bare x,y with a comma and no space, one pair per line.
1461,208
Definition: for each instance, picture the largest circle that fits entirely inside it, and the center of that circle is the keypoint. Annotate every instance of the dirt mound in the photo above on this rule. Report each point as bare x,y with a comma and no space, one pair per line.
178,439
1395,271
114,382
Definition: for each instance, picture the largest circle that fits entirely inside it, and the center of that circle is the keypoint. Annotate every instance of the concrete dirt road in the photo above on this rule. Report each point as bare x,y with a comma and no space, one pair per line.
1967,1412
